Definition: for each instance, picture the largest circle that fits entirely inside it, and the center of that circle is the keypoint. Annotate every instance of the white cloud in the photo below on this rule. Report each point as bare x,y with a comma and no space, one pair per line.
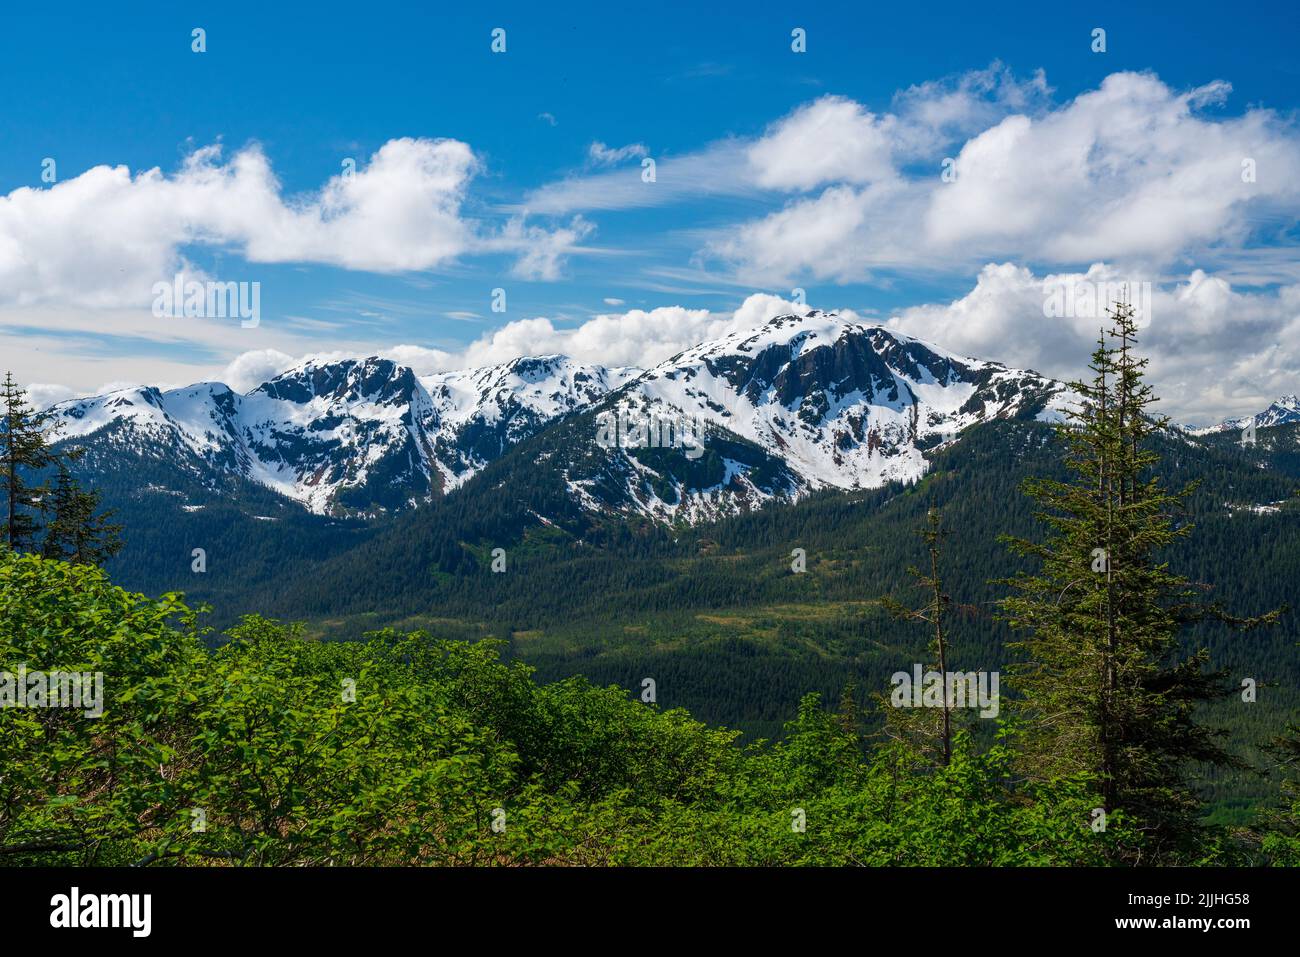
638,337
250,369
1214,351
598,154
1130,169
42,395
611,301
716,170
814,236
1133,170
542,252
832,139
103,238
938,112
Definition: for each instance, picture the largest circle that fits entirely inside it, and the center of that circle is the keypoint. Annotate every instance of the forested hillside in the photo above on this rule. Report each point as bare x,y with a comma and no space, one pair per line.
715,614
274,750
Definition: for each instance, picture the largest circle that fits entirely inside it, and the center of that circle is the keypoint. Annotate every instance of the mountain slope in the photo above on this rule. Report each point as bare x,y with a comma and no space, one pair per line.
354,436
799,404
1285,411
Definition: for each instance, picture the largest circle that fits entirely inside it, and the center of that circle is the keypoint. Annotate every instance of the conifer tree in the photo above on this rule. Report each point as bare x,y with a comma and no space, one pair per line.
1104,688
77,531
1281,824
932,731
23,448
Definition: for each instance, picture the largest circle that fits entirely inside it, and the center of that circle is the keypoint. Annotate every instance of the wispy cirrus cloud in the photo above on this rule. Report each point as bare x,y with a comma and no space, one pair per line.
711,171
598,154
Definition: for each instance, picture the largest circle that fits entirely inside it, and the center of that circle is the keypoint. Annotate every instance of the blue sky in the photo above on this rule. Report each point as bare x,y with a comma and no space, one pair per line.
774,169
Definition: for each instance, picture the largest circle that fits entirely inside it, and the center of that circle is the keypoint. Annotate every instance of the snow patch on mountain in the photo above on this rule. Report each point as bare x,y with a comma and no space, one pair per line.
797,404
841,404
358,434
1282,412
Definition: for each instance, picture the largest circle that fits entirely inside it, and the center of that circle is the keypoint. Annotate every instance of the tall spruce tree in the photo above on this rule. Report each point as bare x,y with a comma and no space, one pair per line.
1281,824
23,450
930,730
77,531
1104,687
74,528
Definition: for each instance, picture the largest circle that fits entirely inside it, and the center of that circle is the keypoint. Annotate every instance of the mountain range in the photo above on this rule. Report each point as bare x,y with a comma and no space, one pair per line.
799,404
1285,411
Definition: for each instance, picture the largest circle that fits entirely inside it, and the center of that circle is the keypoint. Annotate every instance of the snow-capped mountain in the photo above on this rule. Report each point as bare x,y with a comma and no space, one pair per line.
804,403
798,404
358,434
484,412
1282,412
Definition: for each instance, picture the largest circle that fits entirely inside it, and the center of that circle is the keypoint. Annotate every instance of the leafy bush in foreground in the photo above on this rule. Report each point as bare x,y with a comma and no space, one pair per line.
403,749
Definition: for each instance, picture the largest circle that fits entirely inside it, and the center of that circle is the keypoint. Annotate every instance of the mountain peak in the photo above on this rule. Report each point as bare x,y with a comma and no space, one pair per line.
374,377
796,403
1284,411
839,403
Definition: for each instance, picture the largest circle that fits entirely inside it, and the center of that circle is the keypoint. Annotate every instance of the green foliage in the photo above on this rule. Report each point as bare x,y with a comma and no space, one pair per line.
405,749
1106,687
1280,828
23,449
75,529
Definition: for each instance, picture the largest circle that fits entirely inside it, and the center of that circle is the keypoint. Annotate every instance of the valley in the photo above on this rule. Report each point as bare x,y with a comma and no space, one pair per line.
661,568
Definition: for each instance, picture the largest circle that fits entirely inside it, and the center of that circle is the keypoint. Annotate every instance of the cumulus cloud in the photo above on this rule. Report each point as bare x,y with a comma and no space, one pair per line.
1134,170
832,139
103,238
1214,351
1131,169
250,369
817,237
638,337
